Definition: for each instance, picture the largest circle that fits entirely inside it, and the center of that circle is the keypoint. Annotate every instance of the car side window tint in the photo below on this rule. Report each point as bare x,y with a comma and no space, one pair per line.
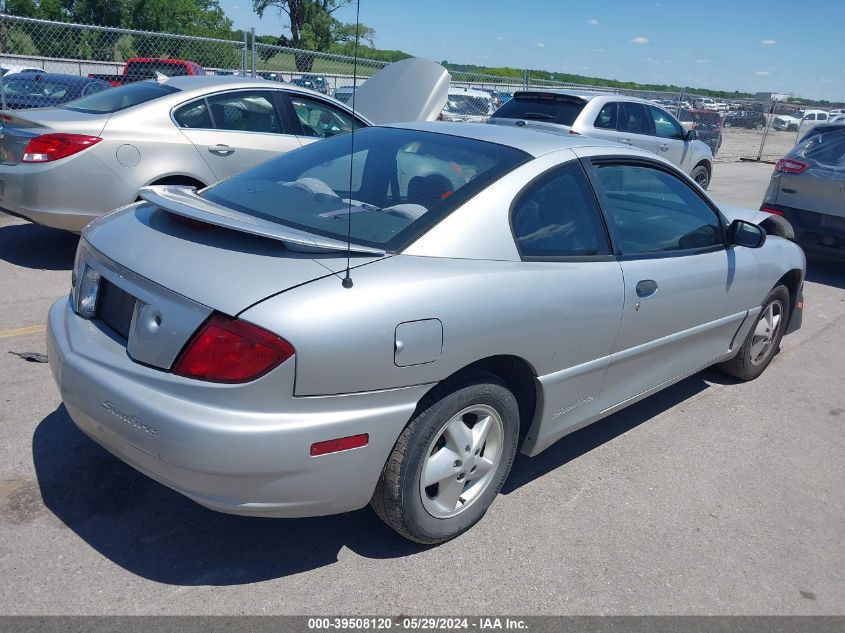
665,126
606,119
634,119
652,211
822,116
194,115
558,217
320,119
810,117
245,111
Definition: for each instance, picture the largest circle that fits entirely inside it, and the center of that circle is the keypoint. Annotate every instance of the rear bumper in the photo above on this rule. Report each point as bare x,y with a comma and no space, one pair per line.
820,234
66,194
236,459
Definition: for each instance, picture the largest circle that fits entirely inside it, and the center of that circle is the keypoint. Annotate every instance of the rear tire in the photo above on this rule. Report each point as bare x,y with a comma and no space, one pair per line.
427,492
763,340
727,124
701,176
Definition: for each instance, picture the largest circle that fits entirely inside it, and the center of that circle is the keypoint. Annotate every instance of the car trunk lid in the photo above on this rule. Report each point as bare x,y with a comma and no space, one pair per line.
164,273
219,266
17,128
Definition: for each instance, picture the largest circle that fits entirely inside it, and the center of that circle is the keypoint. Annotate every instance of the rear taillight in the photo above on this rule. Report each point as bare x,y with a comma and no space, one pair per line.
230,350
772,211
790,166
50,147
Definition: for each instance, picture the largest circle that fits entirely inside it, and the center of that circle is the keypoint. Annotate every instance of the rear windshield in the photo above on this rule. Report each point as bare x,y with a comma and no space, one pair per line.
561,109
120,98
23,86
402,182
826,148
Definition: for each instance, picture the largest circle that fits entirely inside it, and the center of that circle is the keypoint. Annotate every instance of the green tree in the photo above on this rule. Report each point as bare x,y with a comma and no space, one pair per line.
191,17
312,26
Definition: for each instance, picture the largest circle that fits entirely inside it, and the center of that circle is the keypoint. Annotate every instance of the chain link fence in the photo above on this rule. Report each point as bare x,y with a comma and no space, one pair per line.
93,58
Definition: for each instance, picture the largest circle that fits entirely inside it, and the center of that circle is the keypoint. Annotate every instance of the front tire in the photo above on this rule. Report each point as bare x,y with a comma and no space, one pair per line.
763,340
701,176
451,460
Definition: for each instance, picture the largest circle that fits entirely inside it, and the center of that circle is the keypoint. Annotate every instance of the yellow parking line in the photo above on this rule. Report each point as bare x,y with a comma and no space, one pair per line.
21,331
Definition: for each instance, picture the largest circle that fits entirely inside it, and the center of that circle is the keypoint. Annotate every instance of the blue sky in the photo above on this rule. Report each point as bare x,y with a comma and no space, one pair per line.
775,45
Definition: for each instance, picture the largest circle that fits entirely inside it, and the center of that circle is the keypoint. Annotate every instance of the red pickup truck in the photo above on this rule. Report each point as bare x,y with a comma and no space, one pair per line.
141,68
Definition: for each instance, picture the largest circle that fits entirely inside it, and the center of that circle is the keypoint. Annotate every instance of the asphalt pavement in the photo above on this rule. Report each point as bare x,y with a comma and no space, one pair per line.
711,497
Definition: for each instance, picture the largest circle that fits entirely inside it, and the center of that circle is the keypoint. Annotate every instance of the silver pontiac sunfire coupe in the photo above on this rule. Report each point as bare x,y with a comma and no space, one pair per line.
508,287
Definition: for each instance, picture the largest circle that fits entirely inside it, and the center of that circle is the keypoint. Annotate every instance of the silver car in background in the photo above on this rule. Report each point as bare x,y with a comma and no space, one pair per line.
612,117
64,166
390,325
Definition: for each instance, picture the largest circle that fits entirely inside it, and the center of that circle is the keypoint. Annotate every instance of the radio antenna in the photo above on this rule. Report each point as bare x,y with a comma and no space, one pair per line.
347,281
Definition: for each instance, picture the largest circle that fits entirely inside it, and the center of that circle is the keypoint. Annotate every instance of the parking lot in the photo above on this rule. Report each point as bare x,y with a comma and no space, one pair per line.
741,143
711,497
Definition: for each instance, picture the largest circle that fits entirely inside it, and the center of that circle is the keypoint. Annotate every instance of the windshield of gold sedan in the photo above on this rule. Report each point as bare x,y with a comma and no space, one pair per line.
395,184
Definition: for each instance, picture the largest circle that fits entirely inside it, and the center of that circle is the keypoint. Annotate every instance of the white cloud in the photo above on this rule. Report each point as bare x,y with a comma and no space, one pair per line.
540,45
702,61
769,42
762,73
826,81
639,40
592,21
499,38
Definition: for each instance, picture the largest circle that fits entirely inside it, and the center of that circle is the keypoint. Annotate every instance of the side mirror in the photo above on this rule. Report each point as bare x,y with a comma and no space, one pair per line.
742,233
692,135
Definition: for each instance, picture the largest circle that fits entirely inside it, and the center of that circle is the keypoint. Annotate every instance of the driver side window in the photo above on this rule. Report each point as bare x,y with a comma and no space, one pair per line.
665,126
652,211
320,119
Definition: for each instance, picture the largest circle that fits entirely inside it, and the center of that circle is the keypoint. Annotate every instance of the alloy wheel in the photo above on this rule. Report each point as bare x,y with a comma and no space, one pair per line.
765,332
461,461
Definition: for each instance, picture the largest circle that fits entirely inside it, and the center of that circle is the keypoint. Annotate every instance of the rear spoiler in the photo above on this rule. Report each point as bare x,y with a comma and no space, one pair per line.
185,202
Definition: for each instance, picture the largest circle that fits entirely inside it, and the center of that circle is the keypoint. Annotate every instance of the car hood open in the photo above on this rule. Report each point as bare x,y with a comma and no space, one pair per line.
412,89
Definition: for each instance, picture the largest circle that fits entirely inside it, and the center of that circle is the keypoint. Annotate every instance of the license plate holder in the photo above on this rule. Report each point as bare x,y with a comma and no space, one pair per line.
115,308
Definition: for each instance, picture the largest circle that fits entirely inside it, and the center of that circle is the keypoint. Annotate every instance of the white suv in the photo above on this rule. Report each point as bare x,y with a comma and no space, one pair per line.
612,117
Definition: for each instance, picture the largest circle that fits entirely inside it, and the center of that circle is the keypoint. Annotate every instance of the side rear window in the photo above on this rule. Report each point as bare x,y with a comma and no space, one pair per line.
549,107
194,115
557,216
606,120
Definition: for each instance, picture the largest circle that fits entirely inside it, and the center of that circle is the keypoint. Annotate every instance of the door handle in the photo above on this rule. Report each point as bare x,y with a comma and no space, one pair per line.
221,150
646,288
663,146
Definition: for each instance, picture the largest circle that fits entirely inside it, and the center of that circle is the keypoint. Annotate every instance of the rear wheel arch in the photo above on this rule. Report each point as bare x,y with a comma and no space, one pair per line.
189,181
515,373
